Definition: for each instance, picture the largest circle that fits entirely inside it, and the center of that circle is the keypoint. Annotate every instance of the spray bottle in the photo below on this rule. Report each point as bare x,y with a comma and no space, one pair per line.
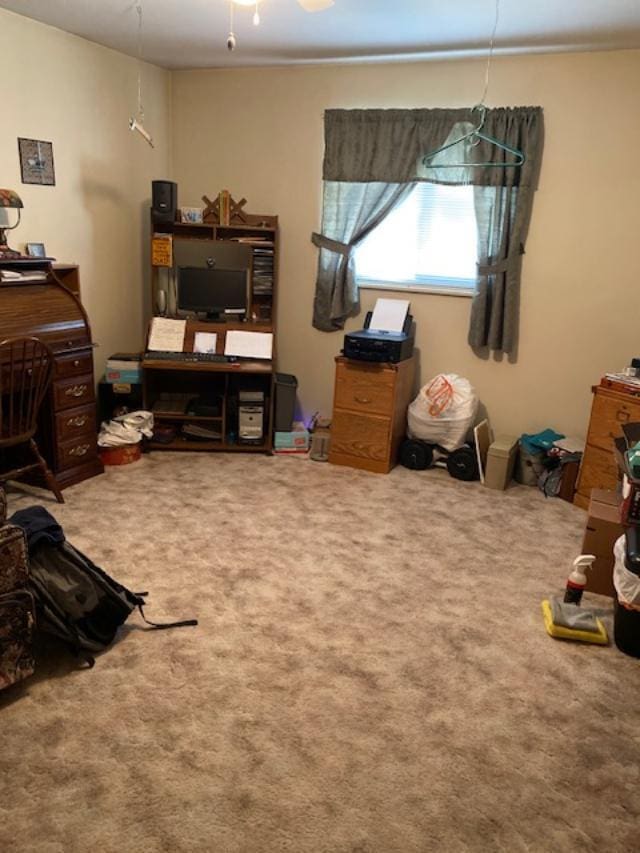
577,580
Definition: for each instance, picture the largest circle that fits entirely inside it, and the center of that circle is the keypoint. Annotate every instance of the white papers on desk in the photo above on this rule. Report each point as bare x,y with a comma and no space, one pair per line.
205,342
389,315
249,344
167,335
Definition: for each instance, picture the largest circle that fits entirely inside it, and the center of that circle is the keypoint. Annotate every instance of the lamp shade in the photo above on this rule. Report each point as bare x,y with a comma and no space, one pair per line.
9,198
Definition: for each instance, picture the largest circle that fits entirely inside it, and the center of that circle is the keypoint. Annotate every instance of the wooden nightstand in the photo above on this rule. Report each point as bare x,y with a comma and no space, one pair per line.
370,413
611,409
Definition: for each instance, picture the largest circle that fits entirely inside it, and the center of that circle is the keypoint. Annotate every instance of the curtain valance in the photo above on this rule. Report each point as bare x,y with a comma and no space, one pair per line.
364,146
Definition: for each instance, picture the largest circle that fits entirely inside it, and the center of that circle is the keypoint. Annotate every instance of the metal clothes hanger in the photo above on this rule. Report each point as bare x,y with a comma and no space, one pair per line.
476,135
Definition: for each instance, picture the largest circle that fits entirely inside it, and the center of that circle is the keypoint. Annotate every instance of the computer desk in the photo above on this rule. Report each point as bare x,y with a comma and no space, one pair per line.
214,381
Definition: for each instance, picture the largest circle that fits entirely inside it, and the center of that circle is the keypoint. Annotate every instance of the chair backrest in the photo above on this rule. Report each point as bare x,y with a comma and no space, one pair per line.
25,374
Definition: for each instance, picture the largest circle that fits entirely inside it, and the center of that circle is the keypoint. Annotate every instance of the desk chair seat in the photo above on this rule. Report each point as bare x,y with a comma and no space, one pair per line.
25,374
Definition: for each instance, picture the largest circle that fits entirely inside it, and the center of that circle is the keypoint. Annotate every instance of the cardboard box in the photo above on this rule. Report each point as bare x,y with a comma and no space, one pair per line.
123,368
296,440
602,530
118,376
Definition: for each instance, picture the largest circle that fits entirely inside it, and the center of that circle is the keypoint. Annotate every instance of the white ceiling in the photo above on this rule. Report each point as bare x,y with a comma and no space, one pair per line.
193,33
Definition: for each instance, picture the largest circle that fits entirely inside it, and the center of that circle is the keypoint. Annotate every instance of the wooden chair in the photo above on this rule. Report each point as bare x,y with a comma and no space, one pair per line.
25,373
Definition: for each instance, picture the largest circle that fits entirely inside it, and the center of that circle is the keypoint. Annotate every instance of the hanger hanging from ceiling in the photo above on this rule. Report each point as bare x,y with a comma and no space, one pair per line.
476,136
137,123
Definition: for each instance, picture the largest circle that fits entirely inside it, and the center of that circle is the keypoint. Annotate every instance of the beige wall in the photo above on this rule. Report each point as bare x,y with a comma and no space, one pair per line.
69,91
260,134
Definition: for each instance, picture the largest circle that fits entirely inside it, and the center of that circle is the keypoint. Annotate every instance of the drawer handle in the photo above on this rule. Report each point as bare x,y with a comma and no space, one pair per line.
622,416
75,391
80,450
78,421
361,399
76,362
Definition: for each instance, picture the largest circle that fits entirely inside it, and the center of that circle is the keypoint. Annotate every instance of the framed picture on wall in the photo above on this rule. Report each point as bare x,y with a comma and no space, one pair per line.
36,162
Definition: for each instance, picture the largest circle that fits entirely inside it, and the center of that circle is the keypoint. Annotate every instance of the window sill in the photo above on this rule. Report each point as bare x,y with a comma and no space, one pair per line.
438,289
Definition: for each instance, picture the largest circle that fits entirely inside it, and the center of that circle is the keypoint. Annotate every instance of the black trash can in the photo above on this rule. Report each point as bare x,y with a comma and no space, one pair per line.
286,387
626,629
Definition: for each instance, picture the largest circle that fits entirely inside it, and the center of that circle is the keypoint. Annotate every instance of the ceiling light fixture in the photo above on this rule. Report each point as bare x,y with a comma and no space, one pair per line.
307,5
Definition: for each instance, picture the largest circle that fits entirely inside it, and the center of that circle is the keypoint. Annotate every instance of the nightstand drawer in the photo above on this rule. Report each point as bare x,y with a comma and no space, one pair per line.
365,388
598,471
608,415
360,440
72,423
72,392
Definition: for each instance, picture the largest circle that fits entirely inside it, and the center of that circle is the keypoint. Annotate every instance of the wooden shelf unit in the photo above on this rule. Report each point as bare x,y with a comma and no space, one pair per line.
219,379
263,230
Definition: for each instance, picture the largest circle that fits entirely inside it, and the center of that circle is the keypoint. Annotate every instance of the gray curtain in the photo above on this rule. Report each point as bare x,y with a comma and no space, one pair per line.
350,212
503,202
373,158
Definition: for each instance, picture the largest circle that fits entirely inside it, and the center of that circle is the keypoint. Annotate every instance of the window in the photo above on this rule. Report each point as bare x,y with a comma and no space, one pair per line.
428,242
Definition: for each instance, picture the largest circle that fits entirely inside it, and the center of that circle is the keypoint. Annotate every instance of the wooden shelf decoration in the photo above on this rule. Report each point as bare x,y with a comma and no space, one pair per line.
224,210
237,217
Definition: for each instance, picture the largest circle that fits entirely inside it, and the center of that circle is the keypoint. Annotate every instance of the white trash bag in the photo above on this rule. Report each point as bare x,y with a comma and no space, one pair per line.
627,584
126,429
443,412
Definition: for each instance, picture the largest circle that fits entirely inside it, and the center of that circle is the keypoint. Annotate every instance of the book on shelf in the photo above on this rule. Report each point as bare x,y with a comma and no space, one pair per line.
13,275
621,382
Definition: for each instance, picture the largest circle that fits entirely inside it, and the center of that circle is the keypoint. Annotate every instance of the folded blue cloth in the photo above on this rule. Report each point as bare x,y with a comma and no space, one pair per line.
540,441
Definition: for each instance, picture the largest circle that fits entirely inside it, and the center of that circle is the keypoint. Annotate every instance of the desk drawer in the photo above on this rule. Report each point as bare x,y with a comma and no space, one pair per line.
73,365
598,470
608,416
73,391
364,437
72,423
365,388
77,451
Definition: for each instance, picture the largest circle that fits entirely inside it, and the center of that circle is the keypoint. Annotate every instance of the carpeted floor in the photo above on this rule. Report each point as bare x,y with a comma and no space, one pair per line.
370,674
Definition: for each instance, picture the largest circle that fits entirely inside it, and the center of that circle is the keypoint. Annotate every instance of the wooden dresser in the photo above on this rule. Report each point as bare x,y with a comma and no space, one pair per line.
370,413
46,309
612,408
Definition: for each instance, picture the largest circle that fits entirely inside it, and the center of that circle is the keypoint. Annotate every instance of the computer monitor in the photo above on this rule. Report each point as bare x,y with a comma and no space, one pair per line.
213,291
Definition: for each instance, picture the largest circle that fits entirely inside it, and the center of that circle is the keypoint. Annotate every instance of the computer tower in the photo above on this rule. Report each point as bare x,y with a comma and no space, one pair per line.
164,202
251,417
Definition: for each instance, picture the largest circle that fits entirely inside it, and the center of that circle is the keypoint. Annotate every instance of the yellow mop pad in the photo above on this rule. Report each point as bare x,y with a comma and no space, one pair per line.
563,633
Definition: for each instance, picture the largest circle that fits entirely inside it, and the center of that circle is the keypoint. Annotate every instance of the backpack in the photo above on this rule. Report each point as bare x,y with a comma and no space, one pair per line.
75,599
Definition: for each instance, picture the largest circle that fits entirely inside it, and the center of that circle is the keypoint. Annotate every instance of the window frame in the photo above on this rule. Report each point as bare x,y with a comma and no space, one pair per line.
428,287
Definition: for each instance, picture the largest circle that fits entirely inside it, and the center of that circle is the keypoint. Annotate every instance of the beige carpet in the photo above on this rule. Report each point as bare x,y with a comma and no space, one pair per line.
370,674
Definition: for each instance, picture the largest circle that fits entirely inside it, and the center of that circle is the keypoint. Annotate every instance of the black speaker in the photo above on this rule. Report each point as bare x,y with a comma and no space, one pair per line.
164,202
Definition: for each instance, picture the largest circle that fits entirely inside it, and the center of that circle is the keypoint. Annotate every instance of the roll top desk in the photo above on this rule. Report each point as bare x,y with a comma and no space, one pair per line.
39,305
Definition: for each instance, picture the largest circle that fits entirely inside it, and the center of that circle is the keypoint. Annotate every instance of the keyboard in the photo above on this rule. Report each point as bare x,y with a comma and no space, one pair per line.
191,357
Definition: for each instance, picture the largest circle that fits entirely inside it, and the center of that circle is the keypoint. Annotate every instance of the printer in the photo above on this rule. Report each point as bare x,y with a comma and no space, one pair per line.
378,345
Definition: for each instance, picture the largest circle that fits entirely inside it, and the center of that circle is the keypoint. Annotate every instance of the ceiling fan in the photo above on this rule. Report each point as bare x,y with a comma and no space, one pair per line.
307,5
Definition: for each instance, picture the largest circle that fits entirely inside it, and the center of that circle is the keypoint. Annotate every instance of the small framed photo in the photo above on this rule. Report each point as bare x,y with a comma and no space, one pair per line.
36,250
192,215
36,162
